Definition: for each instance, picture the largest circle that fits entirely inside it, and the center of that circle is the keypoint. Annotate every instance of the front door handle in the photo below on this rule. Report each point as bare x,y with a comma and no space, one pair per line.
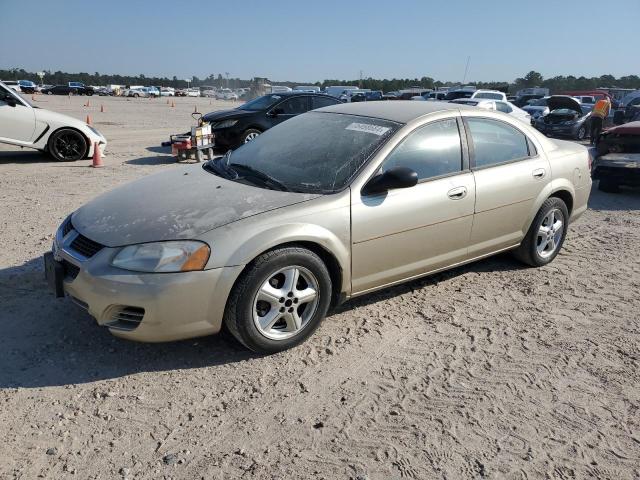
539,173
457,193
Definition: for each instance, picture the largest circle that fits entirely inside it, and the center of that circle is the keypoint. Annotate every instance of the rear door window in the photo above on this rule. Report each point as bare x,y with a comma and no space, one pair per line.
319,102
496,142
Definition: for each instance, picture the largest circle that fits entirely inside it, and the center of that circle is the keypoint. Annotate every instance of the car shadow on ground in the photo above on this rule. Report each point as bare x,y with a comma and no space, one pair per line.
51,342
8,157
153,160
627,199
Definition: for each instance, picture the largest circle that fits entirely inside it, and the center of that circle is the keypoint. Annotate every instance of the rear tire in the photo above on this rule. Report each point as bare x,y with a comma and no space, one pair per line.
272,308
249,135
67,145
545,237
582,133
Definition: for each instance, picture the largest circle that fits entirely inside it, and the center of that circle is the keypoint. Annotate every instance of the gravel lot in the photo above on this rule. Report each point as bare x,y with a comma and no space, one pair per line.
488,371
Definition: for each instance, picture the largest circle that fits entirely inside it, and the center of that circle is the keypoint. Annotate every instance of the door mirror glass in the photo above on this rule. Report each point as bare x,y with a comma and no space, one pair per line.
10,101
396,177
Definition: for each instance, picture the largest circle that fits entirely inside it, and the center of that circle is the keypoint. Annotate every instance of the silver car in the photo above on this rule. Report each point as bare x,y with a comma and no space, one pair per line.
329,205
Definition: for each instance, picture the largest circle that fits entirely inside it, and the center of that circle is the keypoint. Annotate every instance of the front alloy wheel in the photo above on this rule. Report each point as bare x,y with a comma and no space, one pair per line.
67,145
285,302
279,300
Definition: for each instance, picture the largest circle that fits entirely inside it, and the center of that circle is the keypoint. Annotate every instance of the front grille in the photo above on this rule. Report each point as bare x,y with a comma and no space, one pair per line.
70,270
126,318
85,246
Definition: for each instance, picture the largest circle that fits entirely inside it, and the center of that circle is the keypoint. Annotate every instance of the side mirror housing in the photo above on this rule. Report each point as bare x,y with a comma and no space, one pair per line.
11,101
394,178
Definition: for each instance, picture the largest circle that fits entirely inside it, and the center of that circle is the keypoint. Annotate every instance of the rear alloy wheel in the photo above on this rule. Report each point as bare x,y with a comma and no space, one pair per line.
279,300
67,145
249,135
546,234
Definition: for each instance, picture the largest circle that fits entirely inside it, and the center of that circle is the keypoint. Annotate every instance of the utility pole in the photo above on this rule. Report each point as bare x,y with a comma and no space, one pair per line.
466,70
227,74
360,83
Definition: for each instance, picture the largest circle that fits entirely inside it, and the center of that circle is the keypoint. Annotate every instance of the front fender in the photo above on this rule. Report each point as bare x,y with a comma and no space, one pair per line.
272,237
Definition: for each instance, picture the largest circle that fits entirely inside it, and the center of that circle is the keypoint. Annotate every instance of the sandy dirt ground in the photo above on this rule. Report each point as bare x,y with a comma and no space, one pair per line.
488,371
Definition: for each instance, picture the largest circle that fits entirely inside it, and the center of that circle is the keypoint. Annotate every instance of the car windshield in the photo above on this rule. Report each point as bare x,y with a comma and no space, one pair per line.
541,102
317,152
492,96
261,103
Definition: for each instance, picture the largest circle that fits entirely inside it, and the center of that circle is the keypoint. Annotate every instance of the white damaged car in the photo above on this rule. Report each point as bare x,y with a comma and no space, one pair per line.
65,138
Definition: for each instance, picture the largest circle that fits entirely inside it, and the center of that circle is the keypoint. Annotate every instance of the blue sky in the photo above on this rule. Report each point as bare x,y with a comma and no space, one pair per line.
308,41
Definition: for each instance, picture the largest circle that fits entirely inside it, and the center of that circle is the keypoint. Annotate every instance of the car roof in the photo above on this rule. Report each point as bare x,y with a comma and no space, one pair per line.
401,111
294,93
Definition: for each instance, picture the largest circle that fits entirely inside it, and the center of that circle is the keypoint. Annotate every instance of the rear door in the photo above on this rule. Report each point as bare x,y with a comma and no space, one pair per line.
509,176
407,232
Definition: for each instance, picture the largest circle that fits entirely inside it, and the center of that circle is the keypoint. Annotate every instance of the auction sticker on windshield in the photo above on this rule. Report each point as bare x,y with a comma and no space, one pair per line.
367,128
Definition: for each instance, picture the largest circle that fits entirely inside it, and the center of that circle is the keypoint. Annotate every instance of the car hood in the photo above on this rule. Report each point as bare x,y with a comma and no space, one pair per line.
227,114
631,128
563,101
181,203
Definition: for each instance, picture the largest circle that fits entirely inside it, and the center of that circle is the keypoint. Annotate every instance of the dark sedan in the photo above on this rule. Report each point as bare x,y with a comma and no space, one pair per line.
566,118
66,90
233,128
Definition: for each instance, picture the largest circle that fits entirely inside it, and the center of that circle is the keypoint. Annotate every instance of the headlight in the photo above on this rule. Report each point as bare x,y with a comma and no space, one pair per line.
224,124
163,257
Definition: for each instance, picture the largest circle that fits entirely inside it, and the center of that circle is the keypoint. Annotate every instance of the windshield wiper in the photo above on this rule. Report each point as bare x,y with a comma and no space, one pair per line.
220,167
267,179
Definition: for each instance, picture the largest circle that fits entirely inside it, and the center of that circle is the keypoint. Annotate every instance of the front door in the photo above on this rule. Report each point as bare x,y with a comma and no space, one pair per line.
18,122
289,108
408,232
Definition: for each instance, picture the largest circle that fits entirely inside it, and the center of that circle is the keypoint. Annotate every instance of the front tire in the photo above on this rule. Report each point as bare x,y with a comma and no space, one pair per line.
546,234
67,145
279,300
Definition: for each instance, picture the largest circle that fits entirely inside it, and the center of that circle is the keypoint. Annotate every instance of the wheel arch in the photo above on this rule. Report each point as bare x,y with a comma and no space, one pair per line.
566,196
325,248
65,127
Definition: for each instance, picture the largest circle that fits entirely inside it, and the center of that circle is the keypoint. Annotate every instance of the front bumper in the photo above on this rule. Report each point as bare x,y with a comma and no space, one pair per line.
168,306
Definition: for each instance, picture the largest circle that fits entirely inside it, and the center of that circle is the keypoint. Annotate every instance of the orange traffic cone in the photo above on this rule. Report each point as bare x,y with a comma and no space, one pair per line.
173,104
88,120
101,108
87,104
97,156
33,98
195,109
168,102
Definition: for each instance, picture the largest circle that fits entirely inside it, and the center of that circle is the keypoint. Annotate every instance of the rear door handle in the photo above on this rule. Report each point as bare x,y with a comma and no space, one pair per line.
539,173
457,193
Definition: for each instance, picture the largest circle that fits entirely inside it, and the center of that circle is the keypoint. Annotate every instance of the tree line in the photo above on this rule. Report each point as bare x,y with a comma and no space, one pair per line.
531,79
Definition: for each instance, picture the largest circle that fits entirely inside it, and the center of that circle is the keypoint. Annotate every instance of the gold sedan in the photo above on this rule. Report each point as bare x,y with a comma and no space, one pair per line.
331,204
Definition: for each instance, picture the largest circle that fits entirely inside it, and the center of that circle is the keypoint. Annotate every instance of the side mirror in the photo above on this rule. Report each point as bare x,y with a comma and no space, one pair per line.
396,177
11,101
